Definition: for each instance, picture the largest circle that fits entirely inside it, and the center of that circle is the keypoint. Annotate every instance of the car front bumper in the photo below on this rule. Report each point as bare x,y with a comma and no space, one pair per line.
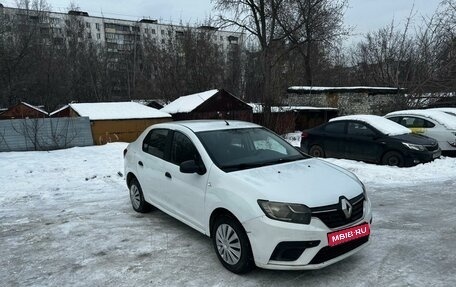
265,234
413,158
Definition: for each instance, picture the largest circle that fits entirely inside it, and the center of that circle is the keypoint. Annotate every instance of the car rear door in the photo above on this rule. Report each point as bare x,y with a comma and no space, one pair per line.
333,138
152,163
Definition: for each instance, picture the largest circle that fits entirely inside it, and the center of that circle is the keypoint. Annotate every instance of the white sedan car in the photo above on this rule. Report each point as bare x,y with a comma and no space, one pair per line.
261,200
431,123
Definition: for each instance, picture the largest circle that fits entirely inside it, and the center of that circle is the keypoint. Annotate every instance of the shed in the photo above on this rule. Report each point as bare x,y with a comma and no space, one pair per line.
294,118
23,110
213,104
349,100
116,121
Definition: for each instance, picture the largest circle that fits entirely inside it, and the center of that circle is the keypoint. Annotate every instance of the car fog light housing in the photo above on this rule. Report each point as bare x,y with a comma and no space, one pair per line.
289,212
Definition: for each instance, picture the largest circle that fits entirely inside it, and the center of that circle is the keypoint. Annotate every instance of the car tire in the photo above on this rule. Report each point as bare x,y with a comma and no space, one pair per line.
393,158
316,151
232,245
137,197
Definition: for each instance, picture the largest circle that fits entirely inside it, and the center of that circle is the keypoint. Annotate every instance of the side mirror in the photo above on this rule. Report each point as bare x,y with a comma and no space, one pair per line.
190,166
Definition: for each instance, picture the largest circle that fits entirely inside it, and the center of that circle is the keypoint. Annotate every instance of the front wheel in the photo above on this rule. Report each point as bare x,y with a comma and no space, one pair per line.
393,158
232,245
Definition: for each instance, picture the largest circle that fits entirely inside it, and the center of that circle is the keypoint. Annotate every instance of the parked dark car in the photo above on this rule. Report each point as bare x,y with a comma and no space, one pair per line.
371,139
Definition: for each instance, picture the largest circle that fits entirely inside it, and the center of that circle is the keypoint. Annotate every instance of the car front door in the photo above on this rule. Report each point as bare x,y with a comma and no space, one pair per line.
184,192
361,142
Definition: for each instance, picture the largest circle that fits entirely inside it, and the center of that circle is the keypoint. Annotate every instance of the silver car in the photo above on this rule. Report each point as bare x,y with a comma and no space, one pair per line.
432,123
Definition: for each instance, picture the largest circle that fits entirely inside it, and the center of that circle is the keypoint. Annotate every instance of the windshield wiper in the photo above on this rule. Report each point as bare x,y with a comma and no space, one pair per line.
241,166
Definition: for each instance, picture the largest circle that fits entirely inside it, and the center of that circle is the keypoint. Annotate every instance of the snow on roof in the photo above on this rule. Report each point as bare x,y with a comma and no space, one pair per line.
117,111
355,89
35,108
451,111
258,108
186,104
59,110
441,117
380,123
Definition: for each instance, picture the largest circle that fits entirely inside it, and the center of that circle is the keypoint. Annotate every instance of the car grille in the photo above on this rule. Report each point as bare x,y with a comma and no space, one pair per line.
432,147
328,253
333,216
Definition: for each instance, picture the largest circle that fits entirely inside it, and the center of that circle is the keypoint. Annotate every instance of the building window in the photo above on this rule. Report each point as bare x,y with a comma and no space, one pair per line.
233,40
163,41
98,36
146,30
89,35
87,25
153,31
163,32
221,38
97,25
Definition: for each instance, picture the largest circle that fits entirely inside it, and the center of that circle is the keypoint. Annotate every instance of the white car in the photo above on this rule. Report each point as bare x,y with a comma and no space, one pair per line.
434,124
450,111
262,201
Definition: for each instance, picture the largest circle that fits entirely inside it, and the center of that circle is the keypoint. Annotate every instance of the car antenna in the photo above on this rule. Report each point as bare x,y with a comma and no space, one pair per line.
227,123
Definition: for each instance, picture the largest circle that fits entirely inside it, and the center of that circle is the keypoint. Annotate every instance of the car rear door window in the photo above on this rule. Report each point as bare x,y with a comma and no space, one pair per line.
155,142
336,128
182,149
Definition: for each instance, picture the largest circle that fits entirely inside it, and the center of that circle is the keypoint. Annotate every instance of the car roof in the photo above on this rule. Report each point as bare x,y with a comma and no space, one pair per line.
382,124
209,125
440,117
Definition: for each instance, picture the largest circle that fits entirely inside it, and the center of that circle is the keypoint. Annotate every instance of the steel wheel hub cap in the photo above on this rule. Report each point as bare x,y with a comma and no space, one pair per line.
228,244
135,197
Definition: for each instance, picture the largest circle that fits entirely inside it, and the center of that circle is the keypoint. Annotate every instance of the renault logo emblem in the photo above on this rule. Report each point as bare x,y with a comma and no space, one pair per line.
347,208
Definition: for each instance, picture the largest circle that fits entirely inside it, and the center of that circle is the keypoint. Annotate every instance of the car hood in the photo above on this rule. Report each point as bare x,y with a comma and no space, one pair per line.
415,139
312,182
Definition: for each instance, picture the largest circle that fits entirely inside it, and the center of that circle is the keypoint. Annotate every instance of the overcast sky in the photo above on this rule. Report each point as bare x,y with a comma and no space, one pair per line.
363,15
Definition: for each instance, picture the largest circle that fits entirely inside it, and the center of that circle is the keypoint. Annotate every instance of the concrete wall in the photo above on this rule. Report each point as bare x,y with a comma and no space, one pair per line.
44,134
351,103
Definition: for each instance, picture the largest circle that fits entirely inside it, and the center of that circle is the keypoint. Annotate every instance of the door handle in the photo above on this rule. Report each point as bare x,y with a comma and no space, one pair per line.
168,175
140,163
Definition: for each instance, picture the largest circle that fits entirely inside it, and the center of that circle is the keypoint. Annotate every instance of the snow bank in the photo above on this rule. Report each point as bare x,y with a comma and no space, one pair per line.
380,123
439,170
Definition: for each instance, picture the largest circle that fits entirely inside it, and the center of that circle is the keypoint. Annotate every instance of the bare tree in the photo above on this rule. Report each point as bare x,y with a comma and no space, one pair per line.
313,27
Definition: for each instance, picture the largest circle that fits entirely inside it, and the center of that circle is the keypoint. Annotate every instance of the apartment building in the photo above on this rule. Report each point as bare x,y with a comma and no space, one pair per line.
116,35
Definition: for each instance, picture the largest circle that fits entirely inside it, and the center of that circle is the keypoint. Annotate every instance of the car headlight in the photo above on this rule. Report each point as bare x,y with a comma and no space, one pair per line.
289,212
415,146
364,190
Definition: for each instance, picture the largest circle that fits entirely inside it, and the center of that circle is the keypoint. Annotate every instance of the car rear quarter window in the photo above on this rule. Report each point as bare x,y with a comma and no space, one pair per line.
335,128
155,142
414,122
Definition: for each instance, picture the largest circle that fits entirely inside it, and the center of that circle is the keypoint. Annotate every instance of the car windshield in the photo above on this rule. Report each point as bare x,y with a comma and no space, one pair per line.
237,149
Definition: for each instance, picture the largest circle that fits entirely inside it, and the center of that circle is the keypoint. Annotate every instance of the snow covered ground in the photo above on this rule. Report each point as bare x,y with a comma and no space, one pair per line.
66,220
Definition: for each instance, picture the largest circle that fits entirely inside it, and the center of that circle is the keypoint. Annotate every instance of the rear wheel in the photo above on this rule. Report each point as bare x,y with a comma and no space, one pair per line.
232,245
137,197
316,151
393,158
